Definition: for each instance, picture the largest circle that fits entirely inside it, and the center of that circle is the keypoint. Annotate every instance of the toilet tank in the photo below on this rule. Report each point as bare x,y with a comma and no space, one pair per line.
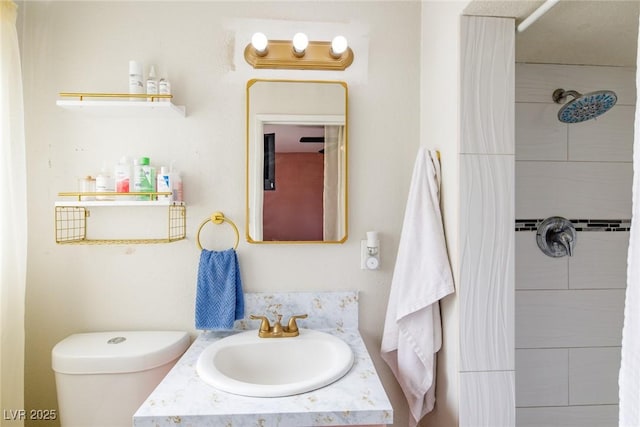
103,377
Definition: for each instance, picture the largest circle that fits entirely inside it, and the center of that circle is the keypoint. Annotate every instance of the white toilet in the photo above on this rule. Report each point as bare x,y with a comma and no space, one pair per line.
103,377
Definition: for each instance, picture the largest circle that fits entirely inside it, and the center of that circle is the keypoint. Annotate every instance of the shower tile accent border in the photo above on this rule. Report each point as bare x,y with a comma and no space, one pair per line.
580,224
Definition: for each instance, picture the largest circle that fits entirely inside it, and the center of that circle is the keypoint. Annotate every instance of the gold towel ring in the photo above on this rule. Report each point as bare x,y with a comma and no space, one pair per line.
218,218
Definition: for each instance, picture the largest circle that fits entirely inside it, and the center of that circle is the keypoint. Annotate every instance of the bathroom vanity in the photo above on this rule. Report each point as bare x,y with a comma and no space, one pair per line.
357,398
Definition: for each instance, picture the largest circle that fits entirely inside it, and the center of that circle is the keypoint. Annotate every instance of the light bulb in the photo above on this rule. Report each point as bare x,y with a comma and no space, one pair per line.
338,46
300,43
260,42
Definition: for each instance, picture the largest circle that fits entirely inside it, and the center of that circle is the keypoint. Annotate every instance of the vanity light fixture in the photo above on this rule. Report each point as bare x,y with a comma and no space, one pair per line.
299,53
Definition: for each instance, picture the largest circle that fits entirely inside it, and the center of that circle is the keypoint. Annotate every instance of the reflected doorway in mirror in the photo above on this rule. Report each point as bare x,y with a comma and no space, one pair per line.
296,183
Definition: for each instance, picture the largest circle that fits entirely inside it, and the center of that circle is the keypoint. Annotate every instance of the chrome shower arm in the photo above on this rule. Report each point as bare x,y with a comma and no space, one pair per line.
560,95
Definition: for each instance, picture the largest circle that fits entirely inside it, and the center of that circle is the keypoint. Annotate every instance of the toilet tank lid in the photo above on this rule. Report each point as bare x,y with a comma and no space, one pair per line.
117,352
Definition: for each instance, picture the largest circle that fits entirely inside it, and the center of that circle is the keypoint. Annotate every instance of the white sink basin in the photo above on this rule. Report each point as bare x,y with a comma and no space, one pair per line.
270,367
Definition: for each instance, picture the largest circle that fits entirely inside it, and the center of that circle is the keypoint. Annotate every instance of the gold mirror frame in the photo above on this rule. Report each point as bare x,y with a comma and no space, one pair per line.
250,121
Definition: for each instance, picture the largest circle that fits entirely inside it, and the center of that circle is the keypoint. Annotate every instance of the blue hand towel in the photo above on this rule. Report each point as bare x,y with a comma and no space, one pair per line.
219,297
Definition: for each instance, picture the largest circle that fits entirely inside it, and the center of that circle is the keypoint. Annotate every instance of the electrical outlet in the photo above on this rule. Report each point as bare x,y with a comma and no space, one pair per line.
368,261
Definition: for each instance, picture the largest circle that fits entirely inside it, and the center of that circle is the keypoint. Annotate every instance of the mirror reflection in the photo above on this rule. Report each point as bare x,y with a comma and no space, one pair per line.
296,161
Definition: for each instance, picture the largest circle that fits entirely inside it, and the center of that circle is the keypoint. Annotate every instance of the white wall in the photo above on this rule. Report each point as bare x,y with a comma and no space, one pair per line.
569,311
86,46
440,128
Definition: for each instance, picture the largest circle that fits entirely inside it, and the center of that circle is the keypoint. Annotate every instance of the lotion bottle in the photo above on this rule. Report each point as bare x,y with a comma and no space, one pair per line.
164,184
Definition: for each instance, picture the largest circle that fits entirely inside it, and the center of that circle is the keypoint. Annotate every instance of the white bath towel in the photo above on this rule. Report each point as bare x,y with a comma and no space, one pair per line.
422,276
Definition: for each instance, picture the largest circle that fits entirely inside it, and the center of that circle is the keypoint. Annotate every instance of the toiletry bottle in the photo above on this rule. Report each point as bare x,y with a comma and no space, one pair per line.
104,183
150,176
135,79
164,184
87,185
152,82
143,177
122,177
176,185
164,88
137,176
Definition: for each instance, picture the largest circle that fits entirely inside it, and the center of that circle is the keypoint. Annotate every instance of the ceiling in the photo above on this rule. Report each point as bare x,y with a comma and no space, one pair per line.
288,137
602,32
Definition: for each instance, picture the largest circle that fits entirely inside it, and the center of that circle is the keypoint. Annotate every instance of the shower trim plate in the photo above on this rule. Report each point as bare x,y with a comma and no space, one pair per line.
550,233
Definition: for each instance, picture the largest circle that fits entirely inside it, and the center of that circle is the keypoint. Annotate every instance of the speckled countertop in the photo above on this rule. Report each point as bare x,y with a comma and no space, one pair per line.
358,398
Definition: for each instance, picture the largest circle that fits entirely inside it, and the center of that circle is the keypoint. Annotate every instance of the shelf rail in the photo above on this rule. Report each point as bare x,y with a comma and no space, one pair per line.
82,95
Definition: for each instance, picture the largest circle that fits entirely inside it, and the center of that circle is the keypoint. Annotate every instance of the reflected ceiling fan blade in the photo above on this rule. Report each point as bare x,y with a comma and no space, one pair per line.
316,139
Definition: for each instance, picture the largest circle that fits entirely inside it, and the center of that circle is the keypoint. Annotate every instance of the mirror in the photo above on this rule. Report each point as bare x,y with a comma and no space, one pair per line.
296,161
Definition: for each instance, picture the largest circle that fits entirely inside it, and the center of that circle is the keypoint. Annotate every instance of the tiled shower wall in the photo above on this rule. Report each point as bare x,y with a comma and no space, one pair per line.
569,311
486,284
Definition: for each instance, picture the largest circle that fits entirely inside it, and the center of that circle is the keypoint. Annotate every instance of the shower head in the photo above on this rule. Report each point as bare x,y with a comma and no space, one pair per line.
583,107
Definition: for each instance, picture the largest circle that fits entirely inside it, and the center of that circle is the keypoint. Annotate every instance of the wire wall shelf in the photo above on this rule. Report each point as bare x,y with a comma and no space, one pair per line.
71,220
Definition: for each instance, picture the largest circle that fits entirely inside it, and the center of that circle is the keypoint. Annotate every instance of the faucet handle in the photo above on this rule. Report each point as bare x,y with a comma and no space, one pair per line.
264,325
292,325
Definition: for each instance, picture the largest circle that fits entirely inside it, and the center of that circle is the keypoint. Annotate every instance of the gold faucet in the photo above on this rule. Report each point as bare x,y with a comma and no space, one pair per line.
277,330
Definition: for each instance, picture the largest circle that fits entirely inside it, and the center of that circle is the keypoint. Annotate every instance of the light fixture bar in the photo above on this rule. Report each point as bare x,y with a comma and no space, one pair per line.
280,55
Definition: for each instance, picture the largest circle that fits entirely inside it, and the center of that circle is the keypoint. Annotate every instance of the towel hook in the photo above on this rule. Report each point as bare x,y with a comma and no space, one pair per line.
218,218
